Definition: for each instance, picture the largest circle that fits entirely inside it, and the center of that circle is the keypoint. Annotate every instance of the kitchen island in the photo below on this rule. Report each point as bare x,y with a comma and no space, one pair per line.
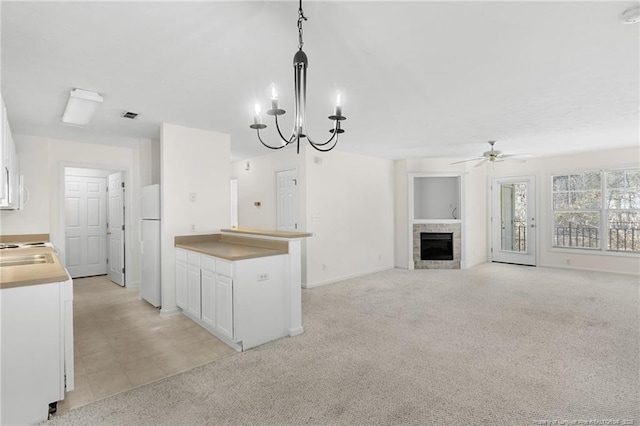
243,285
36,305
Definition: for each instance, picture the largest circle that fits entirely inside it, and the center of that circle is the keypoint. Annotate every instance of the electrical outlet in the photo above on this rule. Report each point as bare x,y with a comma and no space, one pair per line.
263,277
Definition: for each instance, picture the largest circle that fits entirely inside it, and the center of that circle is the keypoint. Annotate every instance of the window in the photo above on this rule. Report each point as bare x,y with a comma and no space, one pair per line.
579,208
577,202
623,210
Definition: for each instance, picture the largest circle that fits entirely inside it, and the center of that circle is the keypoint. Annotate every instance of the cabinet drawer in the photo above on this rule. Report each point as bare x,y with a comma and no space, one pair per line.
208,263
181,255
224,268
193,259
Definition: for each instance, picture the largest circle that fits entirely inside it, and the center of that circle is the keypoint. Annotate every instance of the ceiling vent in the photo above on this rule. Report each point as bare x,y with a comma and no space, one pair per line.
130,115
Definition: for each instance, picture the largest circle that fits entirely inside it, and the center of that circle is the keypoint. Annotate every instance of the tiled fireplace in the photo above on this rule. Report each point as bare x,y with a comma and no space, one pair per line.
435,234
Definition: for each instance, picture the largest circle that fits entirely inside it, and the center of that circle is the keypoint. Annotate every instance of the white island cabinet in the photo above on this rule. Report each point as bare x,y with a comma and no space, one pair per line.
241,302
244,290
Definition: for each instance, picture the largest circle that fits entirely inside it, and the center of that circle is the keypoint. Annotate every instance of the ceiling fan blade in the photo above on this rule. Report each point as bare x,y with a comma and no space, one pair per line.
481,162
469,159
512,158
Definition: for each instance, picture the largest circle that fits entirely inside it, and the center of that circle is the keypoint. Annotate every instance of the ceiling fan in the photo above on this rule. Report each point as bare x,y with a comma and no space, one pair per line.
493,156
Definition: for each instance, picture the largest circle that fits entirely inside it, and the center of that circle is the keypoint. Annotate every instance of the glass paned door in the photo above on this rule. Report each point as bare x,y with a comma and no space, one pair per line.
513,220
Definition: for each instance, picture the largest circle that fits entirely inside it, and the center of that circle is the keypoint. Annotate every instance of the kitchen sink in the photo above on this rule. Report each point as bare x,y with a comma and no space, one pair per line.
34,259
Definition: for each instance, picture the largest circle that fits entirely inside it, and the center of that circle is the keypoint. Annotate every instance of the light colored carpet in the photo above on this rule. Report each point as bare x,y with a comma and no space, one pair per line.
496,344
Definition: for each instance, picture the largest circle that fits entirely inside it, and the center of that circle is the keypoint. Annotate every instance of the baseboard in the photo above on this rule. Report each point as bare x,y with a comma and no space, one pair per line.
473,265
347,277
169,312
296,331
602,271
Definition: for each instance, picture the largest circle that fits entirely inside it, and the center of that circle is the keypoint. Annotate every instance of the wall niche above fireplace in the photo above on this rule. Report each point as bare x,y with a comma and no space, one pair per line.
435,198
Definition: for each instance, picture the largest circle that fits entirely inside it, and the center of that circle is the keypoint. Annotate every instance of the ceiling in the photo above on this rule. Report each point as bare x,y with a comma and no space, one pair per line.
418,79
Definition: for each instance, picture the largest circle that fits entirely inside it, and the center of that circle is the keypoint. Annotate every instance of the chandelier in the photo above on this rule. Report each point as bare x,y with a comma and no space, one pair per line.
300,90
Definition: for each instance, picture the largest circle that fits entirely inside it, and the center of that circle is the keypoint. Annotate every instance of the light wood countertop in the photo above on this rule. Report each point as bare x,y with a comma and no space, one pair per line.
268,233
24,275
24,238
230,247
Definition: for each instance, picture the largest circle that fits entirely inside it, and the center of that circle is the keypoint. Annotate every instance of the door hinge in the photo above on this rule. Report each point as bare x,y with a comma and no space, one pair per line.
122,184
107,225
296,226
295,182
123,270
123,227
107,260
491,249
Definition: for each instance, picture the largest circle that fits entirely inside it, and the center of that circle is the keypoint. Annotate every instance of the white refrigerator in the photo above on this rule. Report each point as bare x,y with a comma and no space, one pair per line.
150,244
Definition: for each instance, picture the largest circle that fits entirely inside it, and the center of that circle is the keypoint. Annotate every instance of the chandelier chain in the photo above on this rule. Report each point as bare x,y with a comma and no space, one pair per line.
301,18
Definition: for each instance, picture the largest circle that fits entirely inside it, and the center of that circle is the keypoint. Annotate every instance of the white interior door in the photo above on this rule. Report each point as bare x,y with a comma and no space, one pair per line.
86,223
116,229
513,220
287,203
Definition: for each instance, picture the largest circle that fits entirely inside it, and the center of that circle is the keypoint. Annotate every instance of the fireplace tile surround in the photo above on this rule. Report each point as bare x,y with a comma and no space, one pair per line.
455,228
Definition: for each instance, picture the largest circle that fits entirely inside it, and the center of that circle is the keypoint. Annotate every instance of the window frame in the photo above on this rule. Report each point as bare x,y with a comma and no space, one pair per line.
608,210
603,211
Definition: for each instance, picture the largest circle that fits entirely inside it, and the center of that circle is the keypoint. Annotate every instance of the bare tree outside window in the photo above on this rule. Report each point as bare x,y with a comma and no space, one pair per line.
623,210
577,200
581,200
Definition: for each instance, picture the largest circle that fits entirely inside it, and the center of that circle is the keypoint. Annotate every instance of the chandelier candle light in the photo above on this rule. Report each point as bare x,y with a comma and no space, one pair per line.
300,90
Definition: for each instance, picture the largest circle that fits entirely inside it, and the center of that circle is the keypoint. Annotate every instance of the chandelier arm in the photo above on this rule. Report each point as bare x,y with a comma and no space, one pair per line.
268,146
287,141
333,135
315,146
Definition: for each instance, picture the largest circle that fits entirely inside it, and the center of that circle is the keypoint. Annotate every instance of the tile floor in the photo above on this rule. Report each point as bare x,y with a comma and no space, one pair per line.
121,342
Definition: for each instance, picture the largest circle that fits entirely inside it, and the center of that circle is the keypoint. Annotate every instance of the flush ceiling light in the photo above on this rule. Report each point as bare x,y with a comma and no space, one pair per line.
300,90
81,107
631,15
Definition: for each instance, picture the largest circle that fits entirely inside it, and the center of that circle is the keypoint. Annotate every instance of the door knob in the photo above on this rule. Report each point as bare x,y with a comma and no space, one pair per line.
532,225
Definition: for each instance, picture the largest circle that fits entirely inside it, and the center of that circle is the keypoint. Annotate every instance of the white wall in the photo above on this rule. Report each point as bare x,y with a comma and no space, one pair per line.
259,184
543,168
345,200
42,162
192,161
350,210
473,209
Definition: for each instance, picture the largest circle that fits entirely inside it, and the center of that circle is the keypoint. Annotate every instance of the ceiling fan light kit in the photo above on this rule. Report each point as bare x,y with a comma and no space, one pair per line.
299,131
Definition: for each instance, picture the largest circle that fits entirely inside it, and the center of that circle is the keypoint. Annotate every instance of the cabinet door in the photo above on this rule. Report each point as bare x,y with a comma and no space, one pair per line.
181,285
224,305
193,290
208,298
